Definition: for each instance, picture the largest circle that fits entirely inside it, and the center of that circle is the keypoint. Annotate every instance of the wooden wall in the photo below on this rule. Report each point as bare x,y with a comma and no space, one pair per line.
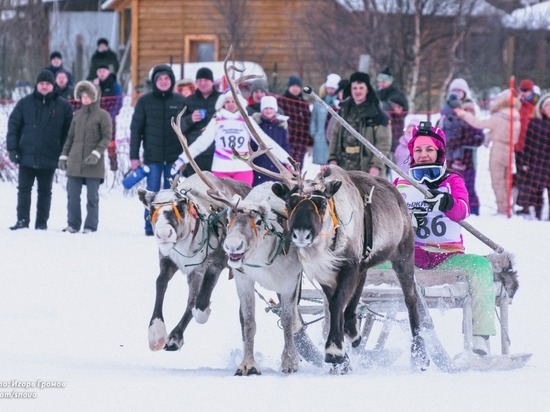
273,35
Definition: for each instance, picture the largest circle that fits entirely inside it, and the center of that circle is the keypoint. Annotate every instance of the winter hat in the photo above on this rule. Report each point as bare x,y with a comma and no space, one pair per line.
385,76
433,136
459,84
527,84
223,97
332,81
103,66
205,73
360,77
294,81
55,54
102,40
269,101
543,101
45,76
259,84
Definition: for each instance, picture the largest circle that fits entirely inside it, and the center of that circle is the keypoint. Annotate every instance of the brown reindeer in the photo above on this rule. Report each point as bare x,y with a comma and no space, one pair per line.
344,223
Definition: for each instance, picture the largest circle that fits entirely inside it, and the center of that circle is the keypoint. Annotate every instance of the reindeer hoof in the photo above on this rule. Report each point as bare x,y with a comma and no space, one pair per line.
419,356
356,342
157,335
247,372
342,368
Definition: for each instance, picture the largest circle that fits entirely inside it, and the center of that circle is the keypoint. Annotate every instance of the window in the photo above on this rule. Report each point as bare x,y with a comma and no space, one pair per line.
201,48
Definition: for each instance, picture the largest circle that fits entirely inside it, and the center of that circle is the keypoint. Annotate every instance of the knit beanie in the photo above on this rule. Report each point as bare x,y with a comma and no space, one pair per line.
102,40
294,81
269,101
223,97
259,84
205,73
360,77
527,84
385,76
55,54
45,76
332,81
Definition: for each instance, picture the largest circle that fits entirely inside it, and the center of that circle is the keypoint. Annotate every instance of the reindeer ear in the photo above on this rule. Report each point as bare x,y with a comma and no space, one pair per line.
280,190
146,197
332,188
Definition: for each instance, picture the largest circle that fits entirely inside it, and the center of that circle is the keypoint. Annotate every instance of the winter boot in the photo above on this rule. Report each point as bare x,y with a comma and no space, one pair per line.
20,224
481,345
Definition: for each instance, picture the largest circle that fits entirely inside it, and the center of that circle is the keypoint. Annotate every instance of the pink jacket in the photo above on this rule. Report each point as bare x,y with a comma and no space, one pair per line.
430,253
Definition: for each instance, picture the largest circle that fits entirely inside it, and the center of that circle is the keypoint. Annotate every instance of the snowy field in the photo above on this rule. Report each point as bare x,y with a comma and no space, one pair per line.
74,312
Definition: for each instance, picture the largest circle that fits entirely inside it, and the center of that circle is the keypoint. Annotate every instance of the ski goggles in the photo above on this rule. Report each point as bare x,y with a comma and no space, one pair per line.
427,173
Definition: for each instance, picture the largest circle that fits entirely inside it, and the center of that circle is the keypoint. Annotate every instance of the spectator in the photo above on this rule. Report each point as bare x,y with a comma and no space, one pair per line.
37,129
536,159
462,139
62,86
320,119
111,101
362,111
56,64
401,153
293,105
393,102
499,134
529,99
228,131
201,106
185,87
275,126
151,127
258,89
82,157
444,248
103,56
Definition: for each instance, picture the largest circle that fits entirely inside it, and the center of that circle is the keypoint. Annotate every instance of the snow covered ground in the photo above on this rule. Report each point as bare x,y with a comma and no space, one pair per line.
74,312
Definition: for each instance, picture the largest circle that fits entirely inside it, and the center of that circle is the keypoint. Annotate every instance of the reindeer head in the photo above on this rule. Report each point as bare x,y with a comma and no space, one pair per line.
172,215
310,210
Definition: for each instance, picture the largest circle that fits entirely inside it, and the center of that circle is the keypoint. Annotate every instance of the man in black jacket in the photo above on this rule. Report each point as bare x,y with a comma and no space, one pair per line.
103,56
151,127
201,106
37,129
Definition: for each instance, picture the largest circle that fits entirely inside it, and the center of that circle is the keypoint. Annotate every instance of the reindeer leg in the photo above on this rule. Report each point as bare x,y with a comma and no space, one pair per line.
289,319
157,329
194,281
201,310
350,315
405,273
245,290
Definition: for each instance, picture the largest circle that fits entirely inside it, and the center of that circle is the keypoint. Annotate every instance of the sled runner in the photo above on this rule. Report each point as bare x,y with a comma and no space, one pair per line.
382,300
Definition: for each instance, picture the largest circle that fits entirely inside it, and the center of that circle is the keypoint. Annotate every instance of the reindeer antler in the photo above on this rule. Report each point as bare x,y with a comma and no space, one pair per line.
289,178
212,191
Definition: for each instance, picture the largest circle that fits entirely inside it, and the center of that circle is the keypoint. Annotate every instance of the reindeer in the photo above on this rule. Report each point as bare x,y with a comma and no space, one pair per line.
189,226
259,252
342,224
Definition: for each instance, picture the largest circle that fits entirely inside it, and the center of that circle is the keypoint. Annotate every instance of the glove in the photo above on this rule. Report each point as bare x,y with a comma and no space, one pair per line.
418,217
178,164
441,201
14,157
62,163
92,159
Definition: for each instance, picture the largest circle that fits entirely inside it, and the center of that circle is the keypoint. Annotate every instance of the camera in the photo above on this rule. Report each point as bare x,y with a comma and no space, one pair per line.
425,126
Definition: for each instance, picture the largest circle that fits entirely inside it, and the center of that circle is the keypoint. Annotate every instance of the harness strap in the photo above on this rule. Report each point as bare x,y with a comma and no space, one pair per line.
367,224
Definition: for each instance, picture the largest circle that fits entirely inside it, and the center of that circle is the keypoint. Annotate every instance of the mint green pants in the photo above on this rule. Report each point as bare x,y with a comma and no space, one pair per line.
479,275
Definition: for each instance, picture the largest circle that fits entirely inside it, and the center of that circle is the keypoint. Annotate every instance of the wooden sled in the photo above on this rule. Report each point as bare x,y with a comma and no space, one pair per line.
382,299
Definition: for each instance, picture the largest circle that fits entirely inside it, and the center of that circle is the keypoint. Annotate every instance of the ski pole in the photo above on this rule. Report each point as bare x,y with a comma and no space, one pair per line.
497,248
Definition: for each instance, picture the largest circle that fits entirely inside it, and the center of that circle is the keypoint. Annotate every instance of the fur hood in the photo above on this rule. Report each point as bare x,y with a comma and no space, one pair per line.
87,87
502,102
282,121
543,99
